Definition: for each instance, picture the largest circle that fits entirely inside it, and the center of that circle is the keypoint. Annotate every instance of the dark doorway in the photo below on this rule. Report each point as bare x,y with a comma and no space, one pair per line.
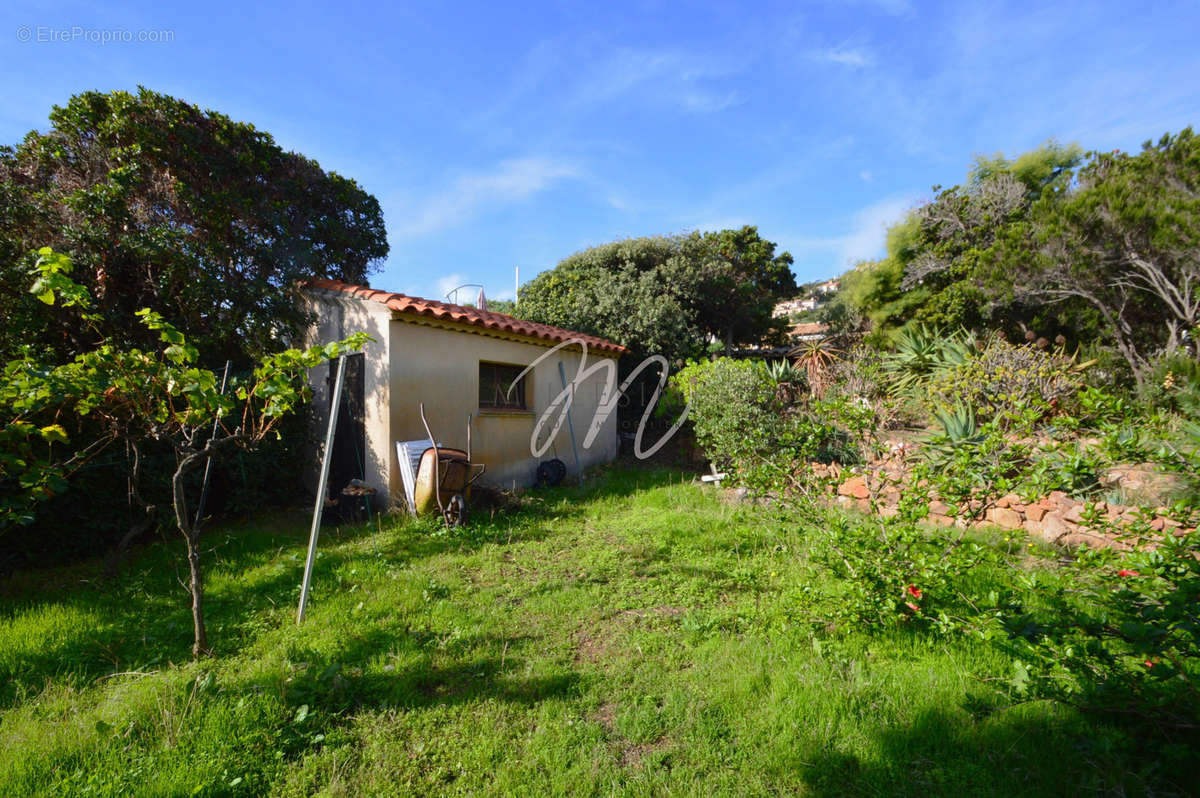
348,460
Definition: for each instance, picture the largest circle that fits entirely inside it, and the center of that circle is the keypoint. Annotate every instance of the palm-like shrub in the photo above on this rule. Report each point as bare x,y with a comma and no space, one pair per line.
817,358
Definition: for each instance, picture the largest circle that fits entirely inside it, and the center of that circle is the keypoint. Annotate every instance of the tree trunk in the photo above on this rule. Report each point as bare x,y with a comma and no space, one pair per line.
192,536
195,584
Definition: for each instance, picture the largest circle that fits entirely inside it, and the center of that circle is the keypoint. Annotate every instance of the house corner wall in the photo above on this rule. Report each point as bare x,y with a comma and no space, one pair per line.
338,316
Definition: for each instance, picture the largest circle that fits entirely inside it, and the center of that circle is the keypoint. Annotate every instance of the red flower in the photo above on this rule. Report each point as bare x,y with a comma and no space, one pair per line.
1149,663
912,606
1127,572
914,592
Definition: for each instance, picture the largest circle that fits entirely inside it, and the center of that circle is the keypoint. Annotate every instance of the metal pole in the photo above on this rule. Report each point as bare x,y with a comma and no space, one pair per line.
318,508
562,374
209,462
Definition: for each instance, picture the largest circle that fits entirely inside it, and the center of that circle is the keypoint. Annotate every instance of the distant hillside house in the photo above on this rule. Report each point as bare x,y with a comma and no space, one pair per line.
790,306
458,361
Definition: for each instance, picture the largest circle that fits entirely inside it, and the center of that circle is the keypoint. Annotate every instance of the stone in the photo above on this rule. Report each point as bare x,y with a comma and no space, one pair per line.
1035,512
1074,513
1053,527
1143,480
1004,518
1059,500
854,488
942,520
1093,541
1008,500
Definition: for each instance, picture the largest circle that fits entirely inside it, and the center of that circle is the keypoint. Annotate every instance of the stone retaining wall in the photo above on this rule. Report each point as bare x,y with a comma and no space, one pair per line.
1056,518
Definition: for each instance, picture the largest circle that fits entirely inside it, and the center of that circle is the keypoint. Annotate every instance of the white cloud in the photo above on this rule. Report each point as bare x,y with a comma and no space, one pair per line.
864,239
846,56
869,229
448,283
510,181
667,76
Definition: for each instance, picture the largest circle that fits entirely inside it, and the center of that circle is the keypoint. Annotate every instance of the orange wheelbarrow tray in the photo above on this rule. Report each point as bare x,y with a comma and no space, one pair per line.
453,473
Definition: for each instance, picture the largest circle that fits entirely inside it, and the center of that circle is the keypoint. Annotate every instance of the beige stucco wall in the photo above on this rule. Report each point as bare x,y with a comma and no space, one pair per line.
339,316
414,360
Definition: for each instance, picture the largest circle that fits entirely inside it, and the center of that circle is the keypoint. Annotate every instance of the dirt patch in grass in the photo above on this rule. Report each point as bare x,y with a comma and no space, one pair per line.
629,754
590,648
632,755
606,716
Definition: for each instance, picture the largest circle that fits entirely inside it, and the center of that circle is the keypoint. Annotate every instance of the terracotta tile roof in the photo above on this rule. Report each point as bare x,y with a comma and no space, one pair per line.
809,328
402,303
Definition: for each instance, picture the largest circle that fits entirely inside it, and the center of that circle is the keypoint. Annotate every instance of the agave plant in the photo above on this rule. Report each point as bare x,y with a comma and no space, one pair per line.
783,372
959,428
958,423
923,351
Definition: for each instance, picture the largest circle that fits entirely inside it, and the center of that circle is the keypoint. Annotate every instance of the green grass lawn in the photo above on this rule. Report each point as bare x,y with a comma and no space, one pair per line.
638,637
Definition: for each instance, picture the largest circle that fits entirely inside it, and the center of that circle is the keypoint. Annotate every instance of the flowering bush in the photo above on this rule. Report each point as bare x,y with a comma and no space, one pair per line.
1121,637
1003,377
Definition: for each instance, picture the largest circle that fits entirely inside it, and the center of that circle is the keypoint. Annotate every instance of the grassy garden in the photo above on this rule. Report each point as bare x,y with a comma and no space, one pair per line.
953,551
643,636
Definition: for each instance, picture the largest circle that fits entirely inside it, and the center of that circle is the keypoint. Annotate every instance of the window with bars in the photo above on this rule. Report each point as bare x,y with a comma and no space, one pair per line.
495,382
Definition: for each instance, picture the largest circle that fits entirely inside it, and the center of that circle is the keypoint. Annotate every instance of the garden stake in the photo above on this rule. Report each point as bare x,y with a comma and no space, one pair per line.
208,464
319,506
562,374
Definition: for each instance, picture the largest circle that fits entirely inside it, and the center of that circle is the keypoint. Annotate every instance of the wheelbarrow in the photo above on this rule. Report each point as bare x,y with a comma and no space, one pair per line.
444,478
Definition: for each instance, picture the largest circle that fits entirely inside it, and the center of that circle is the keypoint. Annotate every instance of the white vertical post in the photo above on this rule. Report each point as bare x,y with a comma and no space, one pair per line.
562,375
319,507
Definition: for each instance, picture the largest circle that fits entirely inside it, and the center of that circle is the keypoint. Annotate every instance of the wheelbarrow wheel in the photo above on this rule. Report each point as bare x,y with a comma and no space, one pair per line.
456,510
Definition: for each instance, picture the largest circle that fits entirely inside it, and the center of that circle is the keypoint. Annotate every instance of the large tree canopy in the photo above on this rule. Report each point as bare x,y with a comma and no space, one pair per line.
163,205
1125,240
666,294
932,272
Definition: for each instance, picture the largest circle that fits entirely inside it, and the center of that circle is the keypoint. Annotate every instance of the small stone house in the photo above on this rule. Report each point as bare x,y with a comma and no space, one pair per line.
458,361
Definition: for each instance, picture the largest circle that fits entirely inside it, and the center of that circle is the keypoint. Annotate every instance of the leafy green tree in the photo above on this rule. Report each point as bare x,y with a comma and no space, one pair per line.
1124,242
666,294
738,291
872,294
631,291
138,396
932,272
961,224
162,205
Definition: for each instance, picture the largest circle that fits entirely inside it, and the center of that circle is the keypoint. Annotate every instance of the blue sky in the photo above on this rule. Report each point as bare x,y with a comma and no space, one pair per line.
498,136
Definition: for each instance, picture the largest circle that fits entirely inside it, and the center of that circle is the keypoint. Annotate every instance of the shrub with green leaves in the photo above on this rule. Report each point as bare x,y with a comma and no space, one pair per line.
733,406
1004,377
1121,638
742,425
1173,384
